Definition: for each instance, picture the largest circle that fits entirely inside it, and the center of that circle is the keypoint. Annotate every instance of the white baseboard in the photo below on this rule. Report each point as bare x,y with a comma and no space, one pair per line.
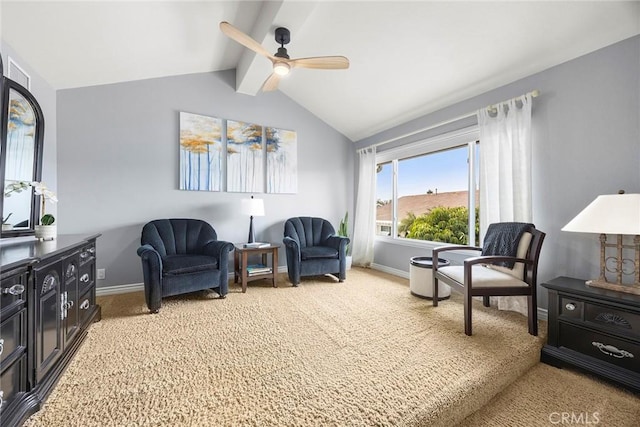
394,271
119,289
542,312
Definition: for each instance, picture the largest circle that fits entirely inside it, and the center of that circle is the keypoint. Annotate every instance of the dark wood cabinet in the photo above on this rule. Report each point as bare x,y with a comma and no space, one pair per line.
14,285
594,329
48,302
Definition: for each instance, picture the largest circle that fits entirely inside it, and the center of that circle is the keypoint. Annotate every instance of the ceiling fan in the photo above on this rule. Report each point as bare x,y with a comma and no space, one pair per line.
282,64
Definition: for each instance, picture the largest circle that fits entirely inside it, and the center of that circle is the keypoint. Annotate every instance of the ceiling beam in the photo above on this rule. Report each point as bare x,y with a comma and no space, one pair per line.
253,69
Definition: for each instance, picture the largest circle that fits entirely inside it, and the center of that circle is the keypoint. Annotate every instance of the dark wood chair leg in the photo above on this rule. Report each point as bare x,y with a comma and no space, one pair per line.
533,314
467,311
435,291
486,302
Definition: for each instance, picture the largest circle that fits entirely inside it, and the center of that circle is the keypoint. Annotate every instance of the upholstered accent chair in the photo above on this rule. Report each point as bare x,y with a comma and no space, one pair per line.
507,266
314,249
181,256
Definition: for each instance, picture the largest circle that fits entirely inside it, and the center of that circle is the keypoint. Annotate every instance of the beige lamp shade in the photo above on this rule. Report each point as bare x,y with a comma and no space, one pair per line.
609,214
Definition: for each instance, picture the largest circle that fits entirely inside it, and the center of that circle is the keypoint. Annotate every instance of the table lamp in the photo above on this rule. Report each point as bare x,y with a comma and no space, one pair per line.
252,207
617,214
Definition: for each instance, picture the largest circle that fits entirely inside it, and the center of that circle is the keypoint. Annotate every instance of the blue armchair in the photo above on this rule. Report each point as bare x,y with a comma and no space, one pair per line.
313,248
181,256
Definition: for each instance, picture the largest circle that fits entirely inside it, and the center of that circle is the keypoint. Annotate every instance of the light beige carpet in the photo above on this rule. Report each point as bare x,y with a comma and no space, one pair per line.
363,352
547,396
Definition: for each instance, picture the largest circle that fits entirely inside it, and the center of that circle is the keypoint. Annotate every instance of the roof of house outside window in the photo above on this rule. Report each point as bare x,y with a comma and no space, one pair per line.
423,203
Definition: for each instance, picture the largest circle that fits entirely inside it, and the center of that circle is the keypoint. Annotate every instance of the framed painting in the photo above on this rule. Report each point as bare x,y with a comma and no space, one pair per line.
282,160
200,152
244,157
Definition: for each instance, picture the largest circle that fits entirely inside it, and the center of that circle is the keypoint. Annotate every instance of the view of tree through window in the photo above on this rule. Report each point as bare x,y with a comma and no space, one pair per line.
432,197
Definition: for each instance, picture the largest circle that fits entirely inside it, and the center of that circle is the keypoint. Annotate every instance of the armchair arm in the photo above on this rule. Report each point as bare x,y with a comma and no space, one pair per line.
292,250
292,245
494,259
454,248
435,253
339,243
217,249
152,274
220,250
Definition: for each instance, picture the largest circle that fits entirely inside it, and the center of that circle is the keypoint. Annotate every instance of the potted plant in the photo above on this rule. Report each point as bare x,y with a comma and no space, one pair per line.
343,230
47,230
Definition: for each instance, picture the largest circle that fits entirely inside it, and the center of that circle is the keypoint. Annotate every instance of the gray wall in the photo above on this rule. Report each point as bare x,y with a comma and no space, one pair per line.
118,164
586,139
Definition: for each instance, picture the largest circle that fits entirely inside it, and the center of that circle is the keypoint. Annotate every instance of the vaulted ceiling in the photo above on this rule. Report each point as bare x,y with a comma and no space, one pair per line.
407,58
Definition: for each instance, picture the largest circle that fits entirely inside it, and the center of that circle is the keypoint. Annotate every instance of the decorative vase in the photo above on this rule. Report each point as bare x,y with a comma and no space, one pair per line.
349,260
46,232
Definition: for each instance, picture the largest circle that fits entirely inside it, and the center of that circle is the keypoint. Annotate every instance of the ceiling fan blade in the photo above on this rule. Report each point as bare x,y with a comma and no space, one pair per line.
237,35
271,83
321,62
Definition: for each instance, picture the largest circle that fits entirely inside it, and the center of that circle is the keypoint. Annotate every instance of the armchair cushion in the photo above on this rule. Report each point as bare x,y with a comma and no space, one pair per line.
318,252
185,264
482,277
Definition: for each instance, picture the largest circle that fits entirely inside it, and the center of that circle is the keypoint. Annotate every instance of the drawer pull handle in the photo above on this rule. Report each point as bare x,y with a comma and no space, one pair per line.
570,306
63,307
612,351
14,290
84,277
1,345
91,250
85,304
1,396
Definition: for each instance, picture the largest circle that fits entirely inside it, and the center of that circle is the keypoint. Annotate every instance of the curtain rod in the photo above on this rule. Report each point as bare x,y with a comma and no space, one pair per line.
534,94
493,108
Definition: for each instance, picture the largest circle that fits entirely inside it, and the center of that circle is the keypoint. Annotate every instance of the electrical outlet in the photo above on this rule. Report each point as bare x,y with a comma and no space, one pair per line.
101,273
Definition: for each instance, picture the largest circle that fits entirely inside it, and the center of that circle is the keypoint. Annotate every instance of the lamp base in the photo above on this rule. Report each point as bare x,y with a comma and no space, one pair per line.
252,234
633,288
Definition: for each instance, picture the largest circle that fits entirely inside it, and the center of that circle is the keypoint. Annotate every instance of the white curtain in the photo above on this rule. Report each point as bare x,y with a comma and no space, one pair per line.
364,225
505,172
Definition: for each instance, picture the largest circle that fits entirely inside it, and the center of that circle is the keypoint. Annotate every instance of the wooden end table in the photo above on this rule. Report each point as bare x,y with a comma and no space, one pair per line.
240,264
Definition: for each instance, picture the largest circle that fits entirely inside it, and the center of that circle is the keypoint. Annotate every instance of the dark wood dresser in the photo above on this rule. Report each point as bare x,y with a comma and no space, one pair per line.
48,300
593,329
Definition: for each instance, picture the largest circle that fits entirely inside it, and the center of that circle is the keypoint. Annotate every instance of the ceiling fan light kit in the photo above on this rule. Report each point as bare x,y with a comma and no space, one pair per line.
281,68
282,64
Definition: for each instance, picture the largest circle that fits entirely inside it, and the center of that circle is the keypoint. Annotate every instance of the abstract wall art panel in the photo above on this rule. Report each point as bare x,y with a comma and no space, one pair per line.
282,160
244,157
200,152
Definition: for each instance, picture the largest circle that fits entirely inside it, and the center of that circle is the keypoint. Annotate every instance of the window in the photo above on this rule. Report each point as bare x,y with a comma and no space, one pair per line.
425,189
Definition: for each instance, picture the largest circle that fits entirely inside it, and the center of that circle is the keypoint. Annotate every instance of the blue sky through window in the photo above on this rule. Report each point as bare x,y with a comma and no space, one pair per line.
444,170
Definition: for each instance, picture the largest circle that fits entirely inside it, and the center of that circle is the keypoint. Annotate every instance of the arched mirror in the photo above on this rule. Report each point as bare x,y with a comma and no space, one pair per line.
21,162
